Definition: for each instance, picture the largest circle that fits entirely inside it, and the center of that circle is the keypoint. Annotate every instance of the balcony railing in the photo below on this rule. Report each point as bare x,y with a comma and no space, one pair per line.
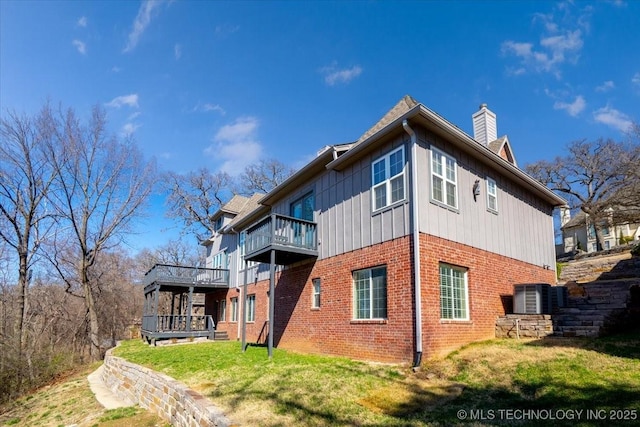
176,274
178,323
282,233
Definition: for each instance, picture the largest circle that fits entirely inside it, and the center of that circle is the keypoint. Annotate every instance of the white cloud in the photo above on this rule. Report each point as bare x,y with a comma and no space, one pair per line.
561,41
82,22
226,29
574,108
210,107
140,24
606,86
636,79
334,75
116,69
128,100
177,51
129,128
81,46
614,118
236,145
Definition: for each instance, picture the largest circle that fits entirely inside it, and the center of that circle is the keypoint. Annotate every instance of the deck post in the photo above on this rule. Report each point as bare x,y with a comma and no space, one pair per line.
272,279
189,307
243,304
156,304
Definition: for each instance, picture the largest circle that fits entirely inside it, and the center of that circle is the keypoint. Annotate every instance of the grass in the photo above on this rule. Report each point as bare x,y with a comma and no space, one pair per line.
481,379
69,401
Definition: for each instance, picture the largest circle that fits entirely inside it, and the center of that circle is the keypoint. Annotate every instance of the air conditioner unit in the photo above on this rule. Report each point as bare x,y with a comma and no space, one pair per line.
532,298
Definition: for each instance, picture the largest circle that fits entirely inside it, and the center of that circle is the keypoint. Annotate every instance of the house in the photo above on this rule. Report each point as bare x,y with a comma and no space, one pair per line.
326,262
579,232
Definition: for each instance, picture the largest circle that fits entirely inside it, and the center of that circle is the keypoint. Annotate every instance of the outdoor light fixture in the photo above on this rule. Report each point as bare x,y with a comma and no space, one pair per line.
476,189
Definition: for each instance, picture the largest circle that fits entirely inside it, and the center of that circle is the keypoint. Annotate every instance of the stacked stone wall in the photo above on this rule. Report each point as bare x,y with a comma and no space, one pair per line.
173,401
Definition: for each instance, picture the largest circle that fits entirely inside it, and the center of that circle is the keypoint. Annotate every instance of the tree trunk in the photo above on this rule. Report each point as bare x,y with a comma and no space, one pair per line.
92,317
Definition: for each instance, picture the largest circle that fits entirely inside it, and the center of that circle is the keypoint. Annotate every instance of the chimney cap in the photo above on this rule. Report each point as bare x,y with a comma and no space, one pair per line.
483,105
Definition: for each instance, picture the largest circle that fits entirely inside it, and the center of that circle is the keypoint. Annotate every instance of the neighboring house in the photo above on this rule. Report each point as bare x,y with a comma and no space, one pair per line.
579,233
335,243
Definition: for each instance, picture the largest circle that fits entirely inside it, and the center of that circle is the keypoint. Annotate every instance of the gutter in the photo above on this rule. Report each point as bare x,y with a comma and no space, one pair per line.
415,216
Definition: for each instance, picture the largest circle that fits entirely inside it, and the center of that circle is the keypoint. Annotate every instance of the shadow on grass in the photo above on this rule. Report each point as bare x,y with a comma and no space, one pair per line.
561,406
624,344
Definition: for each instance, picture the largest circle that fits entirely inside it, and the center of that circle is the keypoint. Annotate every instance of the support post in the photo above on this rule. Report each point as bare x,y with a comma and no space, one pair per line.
243,305
272,278
189,307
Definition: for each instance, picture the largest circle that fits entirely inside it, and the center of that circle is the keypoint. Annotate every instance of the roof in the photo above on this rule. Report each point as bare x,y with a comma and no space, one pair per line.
503,149
404,105
391,124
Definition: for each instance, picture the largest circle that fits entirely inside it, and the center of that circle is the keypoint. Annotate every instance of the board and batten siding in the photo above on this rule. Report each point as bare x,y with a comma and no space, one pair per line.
521,229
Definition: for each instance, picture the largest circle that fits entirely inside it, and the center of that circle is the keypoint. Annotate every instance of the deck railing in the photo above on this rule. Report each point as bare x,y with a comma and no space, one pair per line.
282,230
186,275
177,323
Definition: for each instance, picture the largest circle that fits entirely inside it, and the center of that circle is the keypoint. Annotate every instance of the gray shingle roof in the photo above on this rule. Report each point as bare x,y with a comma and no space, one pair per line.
404,105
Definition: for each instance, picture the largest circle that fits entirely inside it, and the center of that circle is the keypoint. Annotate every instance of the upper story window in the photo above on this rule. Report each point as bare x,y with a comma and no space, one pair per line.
492,195
303,207
217,225
219,260
387,175
444,179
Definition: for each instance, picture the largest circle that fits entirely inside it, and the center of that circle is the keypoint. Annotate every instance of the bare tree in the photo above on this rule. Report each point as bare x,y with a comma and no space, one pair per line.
194,198
594,176
102,186
26,177
264,176
174,252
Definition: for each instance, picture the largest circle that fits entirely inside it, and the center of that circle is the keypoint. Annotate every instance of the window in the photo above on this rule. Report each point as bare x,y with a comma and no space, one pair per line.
605,230
219,260
217,225
607,244
222,310
387,175
303,207
234,309
444,187
251,308
492,195
591,232
370,293
315,301
453,293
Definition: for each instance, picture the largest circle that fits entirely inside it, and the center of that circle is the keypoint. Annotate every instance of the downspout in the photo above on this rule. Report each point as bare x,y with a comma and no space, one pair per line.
415,217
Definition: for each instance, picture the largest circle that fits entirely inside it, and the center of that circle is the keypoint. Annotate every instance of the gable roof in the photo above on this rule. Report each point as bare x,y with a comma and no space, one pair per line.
404,105
392,124
502,148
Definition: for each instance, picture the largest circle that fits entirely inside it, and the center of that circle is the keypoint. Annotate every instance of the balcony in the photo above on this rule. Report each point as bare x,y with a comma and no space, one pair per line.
177,326
175,277
292,239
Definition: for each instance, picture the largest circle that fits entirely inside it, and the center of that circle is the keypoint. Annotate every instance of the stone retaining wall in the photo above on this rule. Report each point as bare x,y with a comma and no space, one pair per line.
171,400
524,326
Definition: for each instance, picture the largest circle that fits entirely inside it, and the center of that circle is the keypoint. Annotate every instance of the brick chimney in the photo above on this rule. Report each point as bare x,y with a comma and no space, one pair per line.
485,129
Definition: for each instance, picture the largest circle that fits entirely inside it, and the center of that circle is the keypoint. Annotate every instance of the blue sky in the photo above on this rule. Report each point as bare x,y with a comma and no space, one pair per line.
223,84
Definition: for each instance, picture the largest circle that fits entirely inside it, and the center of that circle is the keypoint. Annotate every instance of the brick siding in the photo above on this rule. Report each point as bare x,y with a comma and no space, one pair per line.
331,328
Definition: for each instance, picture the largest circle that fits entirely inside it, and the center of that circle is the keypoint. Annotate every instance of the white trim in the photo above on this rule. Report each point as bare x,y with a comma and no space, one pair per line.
387,180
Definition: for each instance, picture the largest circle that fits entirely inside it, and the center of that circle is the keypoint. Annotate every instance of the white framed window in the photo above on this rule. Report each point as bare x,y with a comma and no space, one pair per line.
492,195
234,309
219,260
370,293
387,178
454,298
222,310
315,298
250,308
444,179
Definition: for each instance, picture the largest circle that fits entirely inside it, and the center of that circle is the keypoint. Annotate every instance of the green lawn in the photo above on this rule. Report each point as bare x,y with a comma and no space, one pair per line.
498,382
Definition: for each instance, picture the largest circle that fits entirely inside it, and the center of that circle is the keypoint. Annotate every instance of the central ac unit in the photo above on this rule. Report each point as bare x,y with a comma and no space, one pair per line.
534,298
